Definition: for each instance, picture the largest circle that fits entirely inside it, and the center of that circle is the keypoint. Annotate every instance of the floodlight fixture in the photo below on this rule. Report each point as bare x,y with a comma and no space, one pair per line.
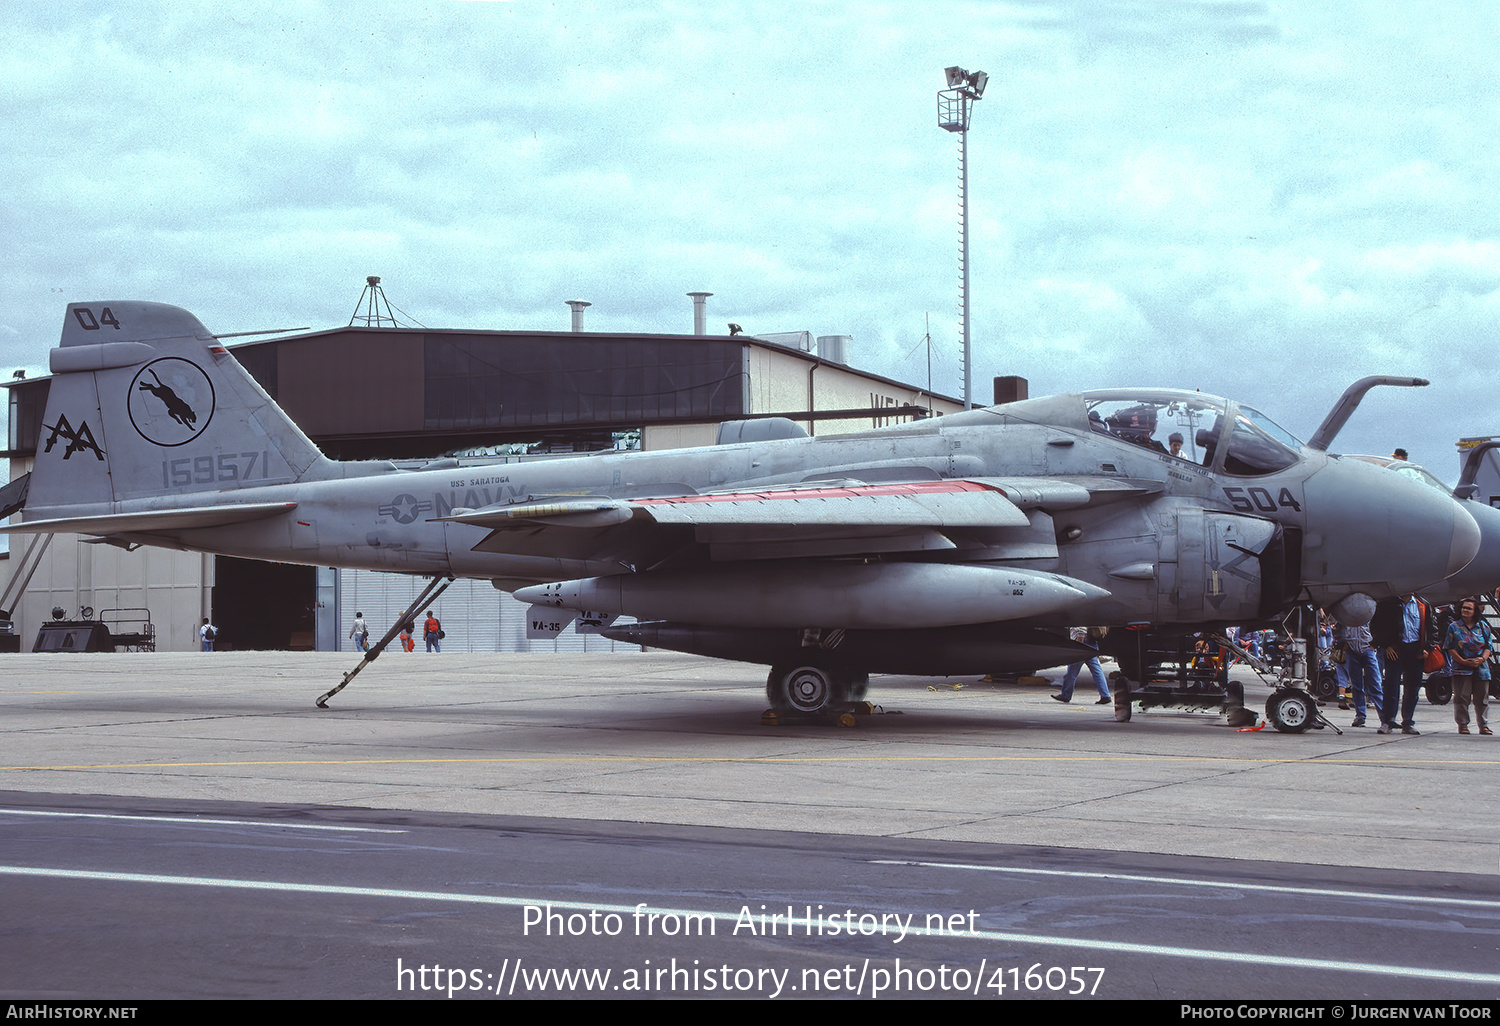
970,83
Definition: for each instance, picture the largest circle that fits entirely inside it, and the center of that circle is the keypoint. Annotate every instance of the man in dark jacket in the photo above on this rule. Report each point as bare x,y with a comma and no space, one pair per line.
1404,630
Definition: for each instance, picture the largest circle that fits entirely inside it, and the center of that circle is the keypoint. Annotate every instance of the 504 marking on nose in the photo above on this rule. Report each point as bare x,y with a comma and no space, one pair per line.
1258,500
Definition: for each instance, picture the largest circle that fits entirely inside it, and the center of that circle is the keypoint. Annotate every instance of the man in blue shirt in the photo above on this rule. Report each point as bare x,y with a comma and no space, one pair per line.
1364,673
1403,629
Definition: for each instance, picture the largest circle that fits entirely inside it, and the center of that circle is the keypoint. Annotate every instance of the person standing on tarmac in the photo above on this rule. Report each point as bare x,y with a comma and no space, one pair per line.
1364,673
1086,636
360,632
1405,630
1468,645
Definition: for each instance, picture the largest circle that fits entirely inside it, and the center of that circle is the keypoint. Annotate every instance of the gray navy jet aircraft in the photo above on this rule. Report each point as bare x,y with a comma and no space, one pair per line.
961,544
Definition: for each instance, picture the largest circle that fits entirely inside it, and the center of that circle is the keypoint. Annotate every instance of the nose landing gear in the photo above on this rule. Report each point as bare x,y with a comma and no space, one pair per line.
1291,710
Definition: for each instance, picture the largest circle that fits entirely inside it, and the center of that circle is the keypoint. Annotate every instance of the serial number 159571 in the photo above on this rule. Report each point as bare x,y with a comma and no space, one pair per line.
221,468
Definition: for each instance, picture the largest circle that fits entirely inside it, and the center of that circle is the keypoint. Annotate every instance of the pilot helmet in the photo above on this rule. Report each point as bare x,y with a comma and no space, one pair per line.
1137,423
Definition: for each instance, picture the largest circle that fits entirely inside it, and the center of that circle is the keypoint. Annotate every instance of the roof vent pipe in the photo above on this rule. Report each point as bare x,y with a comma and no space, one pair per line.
700,312
577,306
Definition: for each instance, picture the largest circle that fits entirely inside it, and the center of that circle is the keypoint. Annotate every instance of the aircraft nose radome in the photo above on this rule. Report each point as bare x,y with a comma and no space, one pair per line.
1376,532
1466,539
1482,573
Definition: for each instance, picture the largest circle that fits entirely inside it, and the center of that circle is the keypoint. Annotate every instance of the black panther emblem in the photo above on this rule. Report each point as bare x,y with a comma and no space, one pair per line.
178,410
171,401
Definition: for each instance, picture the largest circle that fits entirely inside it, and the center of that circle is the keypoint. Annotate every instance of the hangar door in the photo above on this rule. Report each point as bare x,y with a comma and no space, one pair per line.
259,605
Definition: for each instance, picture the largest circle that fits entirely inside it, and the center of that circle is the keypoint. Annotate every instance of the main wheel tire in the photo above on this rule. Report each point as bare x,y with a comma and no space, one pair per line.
805,689
1291,712
1439,688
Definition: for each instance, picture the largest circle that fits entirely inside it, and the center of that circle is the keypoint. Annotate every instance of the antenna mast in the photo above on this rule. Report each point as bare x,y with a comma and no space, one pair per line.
371,300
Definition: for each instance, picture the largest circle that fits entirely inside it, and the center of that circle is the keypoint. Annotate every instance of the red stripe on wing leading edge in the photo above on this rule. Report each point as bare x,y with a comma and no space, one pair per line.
847,492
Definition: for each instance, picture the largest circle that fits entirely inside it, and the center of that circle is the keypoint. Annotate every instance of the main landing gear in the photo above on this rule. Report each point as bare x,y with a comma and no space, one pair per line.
812,690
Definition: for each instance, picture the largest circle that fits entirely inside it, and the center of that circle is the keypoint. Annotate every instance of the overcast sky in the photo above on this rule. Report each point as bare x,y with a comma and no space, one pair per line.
1265,201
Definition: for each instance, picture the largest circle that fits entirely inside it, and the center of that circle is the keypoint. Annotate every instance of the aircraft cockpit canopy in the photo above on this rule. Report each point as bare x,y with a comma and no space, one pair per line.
1258,445
1191,427
1174,425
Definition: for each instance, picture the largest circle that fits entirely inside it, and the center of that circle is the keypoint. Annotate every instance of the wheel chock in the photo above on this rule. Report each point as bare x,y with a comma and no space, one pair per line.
848,716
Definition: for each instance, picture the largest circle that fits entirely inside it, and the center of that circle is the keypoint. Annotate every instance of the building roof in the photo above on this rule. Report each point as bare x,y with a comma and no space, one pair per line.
362,392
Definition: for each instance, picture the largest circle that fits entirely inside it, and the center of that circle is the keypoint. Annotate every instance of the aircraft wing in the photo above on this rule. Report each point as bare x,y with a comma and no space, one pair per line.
153,521
824,519
935,504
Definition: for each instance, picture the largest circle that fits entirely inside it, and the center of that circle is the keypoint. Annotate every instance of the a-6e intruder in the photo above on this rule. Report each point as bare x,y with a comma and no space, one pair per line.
961,544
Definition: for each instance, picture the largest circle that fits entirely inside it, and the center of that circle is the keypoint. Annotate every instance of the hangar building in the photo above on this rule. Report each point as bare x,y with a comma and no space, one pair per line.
370,391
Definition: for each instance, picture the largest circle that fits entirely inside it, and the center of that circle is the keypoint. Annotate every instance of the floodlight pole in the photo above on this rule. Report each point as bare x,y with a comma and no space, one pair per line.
963,255
954,106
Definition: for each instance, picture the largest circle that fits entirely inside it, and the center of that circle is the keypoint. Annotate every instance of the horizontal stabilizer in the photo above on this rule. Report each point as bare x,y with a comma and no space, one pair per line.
13,495
154,521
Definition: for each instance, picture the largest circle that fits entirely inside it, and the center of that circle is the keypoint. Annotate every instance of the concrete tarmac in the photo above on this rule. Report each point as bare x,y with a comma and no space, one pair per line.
676,739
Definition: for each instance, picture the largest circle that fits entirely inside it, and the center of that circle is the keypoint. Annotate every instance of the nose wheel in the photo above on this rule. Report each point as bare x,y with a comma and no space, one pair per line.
1291,711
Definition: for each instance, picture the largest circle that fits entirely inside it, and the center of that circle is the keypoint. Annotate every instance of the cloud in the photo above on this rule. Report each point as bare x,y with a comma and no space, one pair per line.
1255,200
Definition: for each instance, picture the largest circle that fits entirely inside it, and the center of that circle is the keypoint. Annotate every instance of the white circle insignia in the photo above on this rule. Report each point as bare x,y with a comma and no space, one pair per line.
171,401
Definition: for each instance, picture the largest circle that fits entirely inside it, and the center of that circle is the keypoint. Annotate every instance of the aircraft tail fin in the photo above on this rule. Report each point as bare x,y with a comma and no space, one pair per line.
147,402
